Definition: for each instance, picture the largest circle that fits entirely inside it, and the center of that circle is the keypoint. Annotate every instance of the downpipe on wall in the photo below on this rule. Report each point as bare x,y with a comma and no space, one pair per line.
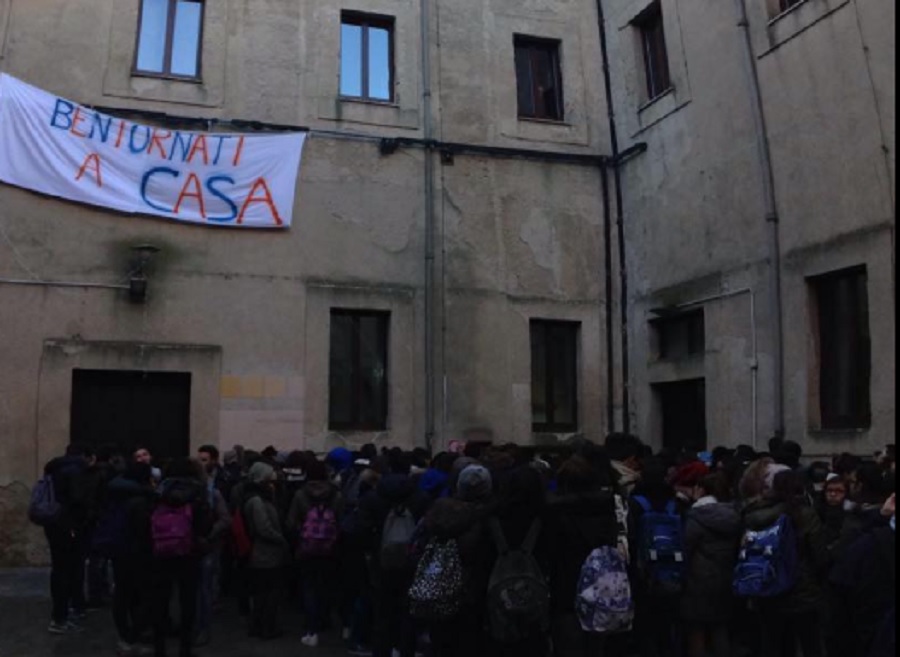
620,227
771,217
428,193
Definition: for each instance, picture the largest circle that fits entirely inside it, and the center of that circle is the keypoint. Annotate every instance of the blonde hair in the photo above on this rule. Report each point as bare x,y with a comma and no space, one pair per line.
753,481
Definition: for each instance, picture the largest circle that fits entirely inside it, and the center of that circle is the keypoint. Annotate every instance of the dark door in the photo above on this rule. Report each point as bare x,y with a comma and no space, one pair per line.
130,408
683,405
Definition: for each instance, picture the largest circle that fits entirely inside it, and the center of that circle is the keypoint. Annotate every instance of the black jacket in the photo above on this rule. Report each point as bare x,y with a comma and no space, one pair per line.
865,586
70,484
809,594
574,525
139,502
711,537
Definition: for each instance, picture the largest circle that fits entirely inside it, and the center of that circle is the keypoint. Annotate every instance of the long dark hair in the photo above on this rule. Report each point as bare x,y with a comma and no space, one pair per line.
653,484
788,488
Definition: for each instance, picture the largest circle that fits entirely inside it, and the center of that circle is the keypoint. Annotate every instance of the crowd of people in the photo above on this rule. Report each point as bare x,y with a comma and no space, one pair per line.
503,551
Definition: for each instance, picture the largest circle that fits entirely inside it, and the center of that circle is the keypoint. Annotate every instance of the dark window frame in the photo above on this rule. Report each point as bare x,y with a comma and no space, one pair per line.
532,45
166,73
824,288
366,22
356,424
552,425
657,72
695,344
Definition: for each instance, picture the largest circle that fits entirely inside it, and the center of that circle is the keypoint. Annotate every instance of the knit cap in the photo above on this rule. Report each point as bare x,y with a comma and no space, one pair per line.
474,484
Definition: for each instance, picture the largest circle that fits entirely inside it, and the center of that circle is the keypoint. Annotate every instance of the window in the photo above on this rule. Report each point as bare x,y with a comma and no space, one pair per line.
841,329
367,57
554,376
538,78
681,336
358,372
169,36
653,45
682,405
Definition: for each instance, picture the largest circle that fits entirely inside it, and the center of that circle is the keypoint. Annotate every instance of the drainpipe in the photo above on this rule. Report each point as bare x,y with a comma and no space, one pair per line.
607,262
754,360
617,189
771,217
428,186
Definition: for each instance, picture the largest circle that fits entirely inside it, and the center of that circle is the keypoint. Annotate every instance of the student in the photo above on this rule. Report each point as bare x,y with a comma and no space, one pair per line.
711,537
269,553
313,522
179,525
799,612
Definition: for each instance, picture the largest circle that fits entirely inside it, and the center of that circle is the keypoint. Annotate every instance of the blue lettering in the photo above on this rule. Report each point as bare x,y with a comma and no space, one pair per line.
146,143
145,181
98,124
219,194
185,146
57,112
221,139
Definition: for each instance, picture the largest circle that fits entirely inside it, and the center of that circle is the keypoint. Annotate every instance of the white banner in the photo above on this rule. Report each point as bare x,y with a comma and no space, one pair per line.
57,147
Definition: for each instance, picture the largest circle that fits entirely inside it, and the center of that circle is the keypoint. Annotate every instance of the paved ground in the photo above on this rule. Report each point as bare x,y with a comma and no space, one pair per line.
25,610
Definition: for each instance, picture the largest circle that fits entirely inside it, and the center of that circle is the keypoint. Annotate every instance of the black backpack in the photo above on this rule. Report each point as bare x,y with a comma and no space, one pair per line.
518,602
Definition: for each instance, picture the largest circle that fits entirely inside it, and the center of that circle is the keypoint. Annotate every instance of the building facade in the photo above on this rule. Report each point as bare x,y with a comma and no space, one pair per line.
494,234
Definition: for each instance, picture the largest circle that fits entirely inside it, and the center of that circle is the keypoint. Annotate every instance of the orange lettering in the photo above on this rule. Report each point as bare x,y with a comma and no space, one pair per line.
157,139
121,133
201,139
266,198
238,150
76,117
92,159
197,194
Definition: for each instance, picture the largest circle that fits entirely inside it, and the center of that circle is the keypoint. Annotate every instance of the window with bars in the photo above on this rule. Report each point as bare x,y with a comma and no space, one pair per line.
169,40
554,376
367,57
538,78
653,45
358,370
840,319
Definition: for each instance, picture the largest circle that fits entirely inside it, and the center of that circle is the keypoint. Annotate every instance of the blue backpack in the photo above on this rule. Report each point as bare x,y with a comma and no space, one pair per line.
768,561
44,509
108,539
660,548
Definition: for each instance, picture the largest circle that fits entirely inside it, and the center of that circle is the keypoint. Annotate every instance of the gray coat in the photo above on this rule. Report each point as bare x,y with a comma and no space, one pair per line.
270,548
711,537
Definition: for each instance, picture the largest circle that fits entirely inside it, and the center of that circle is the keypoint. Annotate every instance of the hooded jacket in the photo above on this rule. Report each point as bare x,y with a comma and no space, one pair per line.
808,594
70,485
180,491
270,548
711,538
314,494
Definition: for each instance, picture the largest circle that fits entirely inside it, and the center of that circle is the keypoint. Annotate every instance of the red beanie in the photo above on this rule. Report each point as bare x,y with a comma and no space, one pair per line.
689,474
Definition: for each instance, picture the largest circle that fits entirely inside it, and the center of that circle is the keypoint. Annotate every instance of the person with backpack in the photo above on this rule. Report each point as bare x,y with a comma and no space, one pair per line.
386,525
711,536
782,562
590,592
179,525
210,564
450,584
123,535
268,552
313,522
97,478
60,504
656,539
518,594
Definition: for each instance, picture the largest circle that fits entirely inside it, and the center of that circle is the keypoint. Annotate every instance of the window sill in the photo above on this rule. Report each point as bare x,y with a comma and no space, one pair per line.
657,98
543,428
837,433
532,119
369,101
162,76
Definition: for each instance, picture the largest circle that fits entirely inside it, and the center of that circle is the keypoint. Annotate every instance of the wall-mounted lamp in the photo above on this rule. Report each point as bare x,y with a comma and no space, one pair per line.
137,281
